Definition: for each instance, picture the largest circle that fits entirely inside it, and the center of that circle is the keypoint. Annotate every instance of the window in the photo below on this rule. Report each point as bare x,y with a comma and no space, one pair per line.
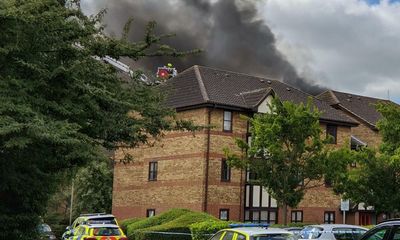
153,171
225,171
228,235
396,234
224,214
227,121
343,233
150,212
297,216
243,237
329,217
331,130
379,234
217,236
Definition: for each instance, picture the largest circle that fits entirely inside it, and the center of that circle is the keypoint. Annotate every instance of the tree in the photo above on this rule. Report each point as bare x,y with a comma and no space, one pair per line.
376,180
60,106
93,188
286,153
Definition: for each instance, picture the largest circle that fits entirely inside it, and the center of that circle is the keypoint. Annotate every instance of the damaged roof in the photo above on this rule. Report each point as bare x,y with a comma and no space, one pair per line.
199,85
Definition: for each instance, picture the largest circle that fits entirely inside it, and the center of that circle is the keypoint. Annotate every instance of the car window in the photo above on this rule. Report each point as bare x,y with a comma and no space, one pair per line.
240,237
228,235
396,234
79,231
108,220
379,234
217,236
106,231
343,233
75,223
278,236
311,232
358,232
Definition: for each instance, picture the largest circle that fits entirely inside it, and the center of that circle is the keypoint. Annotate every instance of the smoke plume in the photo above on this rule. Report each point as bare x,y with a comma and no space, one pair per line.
229,32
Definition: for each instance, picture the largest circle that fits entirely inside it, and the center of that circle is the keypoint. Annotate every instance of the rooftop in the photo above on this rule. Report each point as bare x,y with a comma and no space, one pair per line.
199,86
362,107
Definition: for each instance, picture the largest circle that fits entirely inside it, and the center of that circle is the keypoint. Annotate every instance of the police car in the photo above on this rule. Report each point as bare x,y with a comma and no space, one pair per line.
250,231
98,232
92,218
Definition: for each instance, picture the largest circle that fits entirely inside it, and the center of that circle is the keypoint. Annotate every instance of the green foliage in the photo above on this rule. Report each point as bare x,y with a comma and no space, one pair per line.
60,107
93,188
389,127
286,149
203,230
376,180
175,220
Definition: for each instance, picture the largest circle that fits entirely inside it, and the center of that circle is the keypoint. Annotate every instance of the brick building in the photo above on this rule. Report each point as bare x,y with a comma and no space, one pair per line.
188,170
362,110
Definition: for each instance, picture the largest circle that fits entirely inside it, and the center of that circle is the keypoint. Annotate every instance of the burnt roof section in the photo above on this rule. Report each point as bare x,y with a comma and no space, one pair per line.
361,107
200,85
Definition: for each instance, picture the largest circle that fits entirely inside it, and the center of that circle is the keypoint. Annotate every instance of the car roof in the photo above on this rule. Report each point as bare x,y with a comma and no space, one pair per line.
390,222
258,230
331,226
98,216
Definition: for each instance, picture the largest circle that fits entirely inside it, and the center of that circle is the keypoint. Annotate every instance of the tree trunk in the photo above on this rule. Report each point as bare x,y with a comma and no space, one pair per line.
285,214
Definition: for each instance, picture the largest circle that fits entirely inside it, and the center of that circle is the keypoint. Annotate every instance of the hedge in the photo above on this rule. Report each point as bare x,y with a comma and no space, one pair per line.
203,230
175,220
125,223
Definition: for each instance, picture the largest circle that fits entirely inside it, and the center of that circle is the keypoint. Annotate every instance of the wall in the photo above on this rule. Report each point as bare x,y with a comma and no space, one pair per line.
225,195
180,180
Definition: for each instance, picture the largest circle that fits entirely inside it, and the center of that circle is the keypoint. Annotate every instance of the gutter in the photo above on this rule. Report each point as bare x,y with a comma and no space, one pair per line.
205,202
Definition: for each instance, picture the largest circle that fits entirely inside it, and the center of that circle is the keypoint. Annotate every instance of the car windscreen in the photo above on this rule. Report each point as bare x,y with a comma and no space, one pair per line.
273,236
347,233
108,220
311,232
106,231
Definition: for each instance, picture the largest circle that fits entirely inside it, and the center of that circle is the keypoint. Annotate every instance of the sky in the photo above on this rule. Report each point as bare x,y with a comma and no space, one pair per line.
345,45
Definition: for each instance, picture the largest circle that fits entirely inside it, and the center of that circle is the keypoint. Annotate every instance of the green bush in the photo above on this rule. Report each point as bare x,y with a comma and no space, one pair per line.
175,220
124,224
156,220
203,230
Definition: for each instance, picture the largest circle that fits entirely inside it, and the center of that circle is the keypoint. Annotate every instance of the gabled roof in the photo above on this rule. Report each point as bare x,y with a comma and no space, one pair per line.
361,107
200,85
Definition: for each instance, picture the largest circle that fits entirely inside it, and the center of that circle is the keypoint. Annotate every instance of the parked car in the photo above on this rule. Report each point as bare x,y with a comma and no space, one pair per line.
91,218
97,231
45,232
388,230
252,232
295,230
332,232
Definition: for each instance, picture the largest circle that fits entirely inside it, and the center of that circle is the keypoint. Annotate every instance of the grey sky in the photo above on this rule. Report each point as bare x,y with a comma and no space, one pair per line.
347,45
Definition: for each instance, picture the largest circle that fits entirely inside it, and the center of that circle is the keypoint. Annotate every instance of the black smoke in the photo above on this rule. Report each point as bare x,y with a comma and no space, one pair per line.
229,32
